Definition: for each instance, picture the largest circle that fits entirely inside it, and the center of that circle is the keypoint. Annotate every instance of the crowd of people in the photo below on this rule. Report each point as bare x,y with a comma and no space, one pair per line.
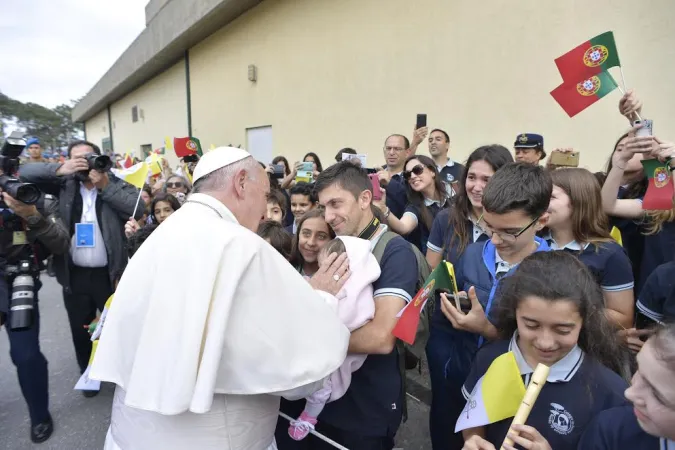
558,265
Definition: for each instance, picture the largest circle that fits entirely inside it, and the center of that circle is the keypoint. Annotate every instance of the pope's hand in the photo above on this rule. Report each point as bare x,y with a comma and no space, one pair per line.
332,274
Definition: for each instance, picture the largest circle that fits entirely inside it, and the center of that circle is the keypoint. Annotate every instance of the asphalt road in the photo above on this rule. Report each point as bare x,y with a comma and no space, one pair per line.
81,423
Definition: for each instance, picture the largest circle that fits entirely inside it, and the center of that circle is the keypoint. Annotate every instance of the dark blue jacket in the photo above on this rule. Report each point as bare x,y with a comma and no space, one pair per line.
476,268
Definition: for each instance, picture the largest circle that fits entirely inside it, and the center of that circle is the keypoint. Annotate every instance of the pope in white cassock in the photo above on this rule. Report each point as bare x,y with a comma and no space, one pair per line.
210,325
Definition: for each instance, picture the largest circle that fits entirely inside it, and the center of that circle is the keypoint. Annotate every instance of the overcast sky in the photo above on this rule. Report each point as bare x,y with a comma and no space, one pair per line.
54,51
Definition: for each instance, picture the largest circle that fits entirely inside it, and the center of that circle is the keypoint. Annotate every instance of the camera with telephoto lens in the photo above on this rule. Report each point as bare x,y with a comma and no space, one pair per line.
9,163
99,163
22,300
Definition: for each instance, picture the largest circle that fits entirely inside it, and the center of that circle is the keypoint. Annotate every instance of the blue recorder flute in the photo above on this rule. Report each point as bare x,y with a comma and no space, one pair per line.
533,389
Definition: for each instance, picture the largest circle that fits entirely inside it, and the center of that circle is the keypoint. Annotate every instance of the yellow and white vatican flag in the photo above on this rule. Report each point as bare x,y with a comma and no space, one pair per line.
496,396
136,174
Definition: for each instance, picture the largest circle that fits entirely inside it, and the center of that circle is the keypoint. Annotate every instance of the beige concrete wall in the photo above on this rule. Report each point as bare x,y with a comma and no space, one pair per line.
348,73
97,128
164,105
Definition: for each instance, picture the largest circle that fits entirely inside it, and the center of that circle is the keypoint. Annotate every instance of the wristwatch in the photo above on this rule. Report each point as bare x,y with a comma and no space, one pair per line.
34,220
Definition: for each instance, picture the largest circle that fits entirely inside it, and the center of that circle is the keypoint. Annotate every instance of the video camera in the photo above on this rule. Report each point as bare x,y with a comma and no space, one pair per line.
9,163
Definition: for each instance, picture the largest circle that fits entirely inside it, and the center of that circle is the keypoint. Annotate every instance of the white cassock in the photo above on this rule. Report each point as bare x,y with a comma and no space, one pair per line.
208,327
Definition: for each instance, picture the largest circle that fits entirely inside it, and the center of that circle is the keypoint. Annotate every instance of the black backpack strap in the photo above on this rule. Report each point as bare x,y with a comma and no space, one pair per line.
378,251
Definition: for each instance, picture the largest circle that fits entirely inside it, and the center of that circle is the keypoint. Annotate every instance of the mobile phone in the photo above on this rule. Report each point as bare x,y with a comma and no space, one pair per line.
308,166
421,121
371,171
647,127
279,171
375,182
565,159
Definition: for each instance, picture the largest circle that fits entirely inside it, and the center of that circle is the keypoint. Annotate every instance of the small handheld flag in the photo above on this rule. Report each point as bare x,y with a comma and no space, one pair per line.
187,146
167,143
575,97
659,195
496,396
127,161
154,162
409,317
590,58
136,174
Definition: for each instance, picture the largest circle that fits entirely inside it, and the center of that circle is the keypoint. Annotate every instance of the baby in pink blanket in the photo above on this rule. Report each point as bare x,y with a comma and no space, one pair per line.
355,307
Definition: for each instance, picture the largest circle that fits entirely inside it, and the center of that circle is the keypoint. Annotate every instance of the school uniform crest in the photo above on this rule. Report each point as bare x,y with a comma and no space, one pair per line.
560,420
449,178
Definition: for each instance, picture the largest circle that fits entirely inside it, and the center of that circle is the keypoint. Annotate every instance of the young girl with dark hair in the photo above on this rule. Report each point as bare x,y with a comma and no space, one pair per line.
313,233
577,224
454,228
162,206
427,195
551,312
457,226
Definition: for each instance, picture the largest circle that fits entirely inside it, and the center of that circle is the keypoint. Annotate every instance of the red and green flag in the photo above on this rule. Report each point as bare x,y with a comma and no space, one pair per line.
588,59
443,277
659,195
187,146
575,97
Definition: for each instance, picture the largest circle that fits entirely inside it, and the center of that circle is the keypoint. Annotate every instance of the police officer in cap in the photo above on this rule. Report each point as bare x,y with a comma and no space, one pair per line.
529,147
29,233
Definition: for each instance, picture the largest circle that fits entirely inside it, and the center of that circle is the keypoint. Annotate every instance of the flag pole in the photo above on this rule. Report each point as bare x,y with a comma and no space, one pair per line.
623,79
138,201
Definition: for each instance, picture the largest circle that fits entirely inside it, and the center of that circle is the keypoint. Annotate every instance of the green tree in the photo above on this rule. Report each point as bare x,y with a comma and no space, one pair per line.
54,127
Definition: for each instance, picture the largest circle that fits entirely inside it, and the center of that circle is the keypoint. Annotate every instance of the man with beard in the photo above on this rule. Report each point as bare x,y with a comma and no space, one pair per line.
94,207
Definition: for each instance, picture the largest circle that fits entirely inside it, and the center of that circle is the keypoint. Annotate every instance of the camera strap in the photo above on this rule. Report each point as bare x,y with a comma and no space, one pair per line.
370,230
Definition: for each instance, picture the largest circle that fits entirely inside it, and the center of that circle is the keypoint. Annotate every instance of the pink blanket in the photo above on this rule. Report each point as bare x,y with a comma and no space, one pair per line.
355,307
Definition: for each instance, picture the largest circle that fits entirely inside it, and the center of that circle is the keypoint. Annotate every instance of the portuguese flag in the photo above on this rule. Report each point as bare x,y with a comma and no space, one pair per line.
660,191
575,97
187,146
443,277
590,58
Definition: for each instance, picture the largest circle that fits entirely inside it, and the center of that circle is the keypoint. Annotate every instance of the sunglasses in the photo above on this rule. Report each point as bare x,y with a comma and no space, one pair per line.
175,185
417,170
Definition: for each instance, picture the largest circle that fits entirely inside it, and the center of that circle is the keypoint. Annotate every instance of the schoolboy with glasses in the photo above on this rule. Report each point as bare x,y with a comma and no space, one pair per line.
515,203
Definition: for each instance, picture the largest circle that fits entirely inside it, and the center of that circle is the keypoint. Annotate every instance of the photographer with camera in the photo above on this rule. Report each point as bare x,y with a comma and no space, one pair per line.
95,205
30,230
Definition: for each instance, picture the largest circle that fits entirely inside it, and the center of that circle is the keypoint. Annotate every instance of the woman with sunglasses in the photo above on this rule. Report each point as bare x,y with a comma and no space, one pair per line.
177,186
427,196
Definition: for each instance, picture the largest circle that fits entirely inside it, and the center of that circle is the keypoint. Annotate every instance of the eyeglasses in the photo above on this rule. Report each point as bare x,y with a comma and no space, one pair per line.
506,237
417,170
175,185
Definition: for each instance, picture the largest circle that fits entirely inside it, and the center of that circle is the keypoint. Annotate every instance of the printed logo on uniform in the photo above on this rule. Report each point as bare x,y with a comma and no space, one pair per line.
449,178
424,296
596,55
661,177
589,87
560,420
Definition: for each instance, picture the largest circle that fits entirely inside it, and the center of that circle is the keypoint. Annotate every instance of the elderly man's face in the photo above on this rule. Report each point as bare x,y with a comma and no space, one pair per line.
256,188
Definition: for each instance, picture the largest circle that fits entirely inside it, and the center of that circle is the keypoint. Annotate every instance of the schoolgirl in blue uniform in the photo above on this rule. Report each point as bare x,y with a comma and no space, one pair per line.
659,242
656,303
551,312
650,423
453,230
427,196
515,203
577,224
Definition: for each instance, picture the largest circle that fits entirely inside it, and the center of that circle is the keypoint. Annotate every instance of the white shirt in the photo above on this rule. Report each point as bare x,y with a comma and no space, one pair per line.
89,256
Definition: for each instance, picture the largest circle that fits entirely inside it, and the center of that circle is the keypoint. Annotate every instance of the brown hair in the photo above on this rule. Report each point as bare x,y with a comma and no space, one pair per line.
276,197
337,245
589,222
663,342
278,237
417,198
296,258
